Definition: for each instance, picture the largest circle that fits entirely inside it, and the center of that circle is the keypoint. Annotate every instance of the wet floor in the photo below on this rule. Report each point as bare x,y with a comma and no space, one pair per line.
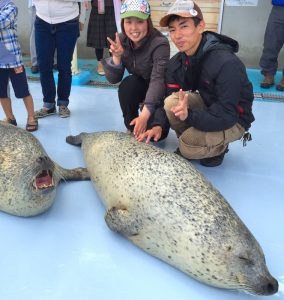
69,252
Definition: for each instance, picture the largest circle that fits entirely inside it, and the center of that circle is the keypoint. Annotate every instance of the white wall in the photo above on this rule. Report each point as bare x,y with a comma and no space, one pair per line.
245,24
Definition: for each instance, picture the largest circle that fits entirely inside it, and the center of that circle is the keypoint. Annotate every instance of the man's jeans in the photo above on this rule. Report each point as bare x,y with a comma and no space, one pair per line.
62,37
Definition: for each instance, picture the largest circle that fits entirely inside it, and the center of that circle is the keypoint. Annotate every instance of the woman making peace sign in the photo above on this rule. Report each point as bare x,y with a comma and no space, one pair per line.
144,52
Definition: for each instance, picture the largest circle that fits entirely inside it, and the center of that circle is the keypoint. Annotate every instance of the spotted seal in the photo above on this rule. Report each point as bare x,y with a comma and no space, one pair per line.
28,177
164,205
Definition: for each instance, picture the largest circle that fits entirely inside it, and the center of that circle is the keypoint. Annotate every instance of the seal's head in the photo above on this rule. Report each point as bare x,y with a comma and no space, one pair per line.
28,177
245,266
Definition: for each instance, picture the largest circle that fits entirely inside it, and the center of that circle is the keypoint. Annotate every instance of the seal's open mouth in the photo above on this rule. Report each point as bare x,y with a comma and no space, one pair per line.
43,180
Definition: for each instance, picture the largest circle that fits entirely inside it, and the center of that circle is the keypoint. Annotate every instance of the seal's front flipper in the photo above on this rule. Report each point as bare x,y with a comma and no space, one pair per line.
75,139
121,221
75,174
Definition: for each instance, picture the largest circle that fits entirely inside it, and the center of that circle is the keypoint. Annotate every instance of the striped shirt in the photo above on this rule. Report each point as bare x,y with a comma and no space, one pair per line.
8,35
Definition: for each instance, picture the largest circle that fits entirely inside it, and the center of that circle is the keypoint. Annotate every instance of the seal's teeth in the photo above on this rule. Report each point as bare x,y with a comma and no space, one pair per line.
34,185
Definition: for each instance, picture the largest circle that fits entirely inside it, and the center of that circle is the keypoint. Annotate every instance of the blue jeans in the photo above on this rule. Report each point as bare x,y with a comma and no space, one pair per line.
62,37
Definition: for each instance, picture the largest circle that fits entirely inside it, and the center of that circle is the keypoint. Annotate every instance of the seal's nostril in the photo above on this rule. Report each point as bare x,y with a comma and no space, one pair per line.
272,287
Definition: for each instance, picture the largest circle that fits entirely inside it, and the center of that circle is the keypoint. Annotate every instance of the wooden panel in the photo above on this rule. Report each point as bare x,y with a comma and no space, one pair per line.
210,10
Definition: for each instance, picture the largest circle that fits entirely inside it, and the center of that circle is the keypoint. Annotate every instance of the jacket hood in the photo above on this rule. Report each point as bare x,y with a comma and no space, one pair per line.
212,41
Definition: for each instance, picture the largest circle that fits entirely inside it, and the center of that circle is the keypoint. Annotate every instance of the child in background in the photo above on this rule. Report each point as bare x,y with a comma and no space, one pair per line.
11,66
101,25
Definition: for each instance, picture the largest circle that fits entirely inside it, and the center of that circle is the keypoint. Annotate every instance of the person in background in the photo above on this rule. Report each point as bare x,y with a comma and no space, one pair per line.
144,52
209,97
273,42
12,68
34,68
101,25
56,28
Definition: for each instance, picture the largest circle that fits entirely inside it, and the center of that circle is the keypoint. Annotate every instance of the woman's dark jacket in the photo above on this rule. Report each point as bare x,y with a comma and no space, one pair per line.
148,61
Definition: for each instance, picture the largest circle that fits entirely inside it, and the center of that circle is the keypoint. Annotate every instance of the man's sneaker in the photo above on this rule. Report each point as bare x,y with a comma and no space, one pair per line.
177,151
267,82
44,112
64,112
215,160
280,85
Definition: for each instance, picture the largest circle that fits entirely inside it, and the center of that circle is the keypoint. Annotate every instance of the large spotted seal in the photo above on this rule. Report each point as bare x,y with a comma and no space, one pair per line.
28,177
161,203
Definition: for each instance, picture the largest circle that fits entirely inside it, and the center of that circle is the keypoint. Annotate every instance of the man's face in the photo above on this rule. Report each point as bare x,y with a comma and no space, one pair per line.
185,35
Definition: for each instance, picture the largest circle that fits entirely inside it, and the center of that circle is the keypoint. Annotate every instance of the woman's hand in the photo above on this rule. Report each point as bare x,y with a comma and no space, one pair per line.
140,123
154,133
116,49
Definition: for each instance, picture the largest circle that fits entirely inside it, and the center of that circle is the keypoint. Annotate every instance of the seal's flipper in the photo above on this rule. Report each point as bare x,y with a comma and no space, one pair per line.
75,174
74,139
121,221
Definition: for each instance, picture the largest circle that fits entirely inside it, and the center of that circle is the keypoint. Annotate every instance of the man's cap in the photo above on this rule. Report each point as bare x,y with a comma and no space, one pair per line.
182,8
135,8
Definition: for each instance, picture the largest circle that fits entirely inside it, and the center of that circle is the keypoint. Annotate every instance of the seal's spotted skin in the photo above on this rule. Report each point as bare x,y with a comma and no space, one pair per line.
28,177
161,203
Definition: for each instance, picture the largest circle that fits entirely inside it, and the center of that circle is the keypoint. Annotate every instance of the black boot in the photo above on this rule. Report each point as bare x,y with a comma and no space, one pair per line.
215,160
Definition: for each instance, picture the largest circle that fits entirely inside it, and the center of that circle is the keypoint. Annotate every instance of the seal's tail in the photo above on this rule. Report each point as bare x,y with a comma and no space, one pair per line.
75,139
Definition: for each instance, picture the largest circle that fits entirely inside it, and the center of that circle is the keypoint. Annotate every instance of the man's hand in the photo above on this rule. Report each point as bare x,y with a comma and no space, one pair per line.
181,109
154,133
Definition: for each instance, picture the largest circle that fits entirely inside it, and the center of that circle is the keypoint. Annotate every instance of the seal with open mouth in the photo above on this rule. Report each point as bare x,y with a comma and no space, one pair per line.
28,177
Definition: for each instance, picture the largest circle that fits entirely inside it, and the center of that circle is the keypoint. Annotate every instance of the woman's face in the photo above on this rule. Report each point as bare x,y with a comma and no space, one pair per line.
135,29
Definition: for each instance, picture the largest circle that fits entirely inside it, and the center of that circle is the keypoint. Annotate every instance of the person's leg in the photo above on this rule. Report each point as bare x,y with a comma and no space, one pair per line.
209,147
45,46
33,54
4,97
66,37
99,55
7,108
273,42
131,94
32,124
21,89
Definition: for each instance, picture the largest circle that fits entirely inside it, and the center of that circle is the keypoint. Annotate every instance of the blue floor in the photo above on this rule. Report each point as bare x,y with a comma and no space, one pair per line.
69,252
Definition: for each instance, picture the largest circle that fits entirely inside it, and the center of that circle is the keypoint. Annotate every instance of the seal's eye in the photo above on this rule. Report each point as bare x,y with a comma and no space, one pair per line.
246,260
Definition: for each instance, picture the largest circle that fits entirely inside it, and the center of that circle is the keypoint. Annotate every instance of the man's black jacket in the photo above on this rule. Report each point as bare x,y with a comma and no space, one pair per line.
221,79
